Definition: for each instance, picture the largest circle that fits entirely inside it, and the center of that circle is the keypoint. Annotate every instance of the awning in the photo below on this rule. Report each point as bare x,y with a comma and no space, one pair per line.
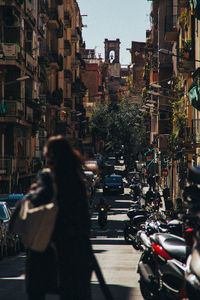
194,97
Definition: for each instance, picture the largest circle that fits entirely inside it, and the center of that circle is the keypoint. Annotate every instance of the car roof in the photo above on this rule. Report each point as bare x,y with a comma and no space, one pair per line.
15,196
114,175
4,197
88,172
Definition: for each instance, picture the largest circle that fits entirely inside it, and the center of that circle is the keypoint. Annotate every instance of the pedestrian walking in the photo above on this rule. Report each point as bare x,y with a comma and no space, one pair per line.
64,268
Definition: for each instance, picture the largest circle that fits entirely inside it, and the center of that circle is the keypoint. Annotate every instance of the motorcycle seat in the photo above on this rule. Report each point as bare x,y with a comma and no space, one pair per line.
174,245
138,219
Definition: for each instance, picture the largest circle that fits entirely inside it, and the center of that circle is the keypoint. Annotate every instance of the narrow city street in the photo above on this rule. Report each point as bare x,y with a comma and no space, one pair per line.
118,261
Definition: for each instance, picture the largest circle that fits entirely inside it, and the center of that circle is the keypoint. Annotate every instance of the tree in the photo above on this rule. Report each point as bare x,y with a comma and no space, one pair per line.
118,124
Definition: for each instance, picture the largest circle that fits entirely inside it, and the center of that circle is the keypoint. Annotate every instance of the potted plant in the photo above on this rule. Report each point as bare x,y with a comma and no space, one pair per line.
186,48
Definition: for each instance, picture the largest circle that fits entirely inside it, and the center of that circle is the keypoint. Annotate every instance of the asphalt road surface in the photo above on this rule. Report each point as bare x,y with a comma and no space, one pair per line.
118,261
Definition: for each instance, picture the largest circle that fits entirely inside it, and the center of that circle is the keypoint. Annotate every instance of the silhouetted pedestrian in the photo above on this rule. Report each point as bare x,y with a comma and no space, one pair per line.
65,267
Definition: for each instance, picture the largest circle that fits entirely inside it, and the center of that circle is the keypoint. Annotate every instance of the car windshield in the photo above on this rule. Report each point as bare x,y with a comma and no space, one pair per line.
113,179
3,212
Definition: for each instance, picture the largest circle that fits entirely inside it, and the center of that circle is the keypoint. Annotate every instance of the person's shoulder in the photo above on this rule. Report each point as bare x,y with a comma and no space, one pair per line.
45,170
45,174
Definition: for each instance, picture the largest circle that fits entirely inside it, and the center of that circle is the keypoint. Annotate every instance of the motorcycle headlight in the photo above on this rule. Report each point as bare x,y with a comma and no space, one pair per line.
119,186
106,187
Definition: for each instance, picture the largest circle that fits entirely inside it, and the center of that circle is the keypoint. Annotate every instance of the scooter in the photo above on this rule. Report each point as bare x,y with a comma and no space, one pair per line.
131,227
102,217
162,266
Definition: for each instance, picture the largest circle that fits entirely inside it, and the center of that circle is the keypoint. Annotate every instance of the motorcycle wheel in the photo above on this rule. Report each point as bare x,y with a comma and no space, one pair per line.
135,245
126,236
146,292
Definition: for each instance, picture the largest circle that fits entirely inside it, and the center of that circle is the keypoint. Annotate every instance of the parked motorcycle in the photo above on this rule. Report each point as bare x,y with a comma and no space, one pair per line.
162,266
132,226
192,197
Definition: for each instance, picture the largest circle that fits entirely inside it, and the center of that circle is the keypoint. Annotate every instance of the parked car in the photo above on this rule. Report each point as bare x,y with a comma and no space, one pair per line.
9,242
11,199
112,160
113,183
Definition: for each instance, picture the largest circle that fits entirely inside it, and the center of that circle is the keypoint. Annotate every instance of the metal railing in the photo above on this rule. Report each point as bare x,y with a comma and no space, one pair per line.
196,130
9,108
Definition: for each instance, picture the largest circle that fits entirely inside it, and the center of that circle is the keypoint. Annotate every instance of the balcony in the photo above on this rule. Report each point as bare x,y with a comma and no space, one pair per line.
56,98
29,114
30,63
184,3
68,75
68,103
196,130
15,3
53,22
20,164
11,110
78,87
5,166
165,126
60,30
171,33
11,51
44,11
61,116
59,2
67,48
74,35
53,59
67,19
187,63
42,60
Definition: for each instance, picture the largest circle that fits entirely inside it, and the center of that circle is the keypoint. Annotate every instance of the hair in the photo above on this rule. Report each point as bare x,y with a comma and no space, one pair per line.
64,160
61,155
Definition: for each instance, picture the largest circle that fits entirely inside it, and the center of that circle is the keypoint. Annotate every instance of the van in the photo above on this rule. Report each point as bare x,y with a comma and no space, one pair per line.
113,184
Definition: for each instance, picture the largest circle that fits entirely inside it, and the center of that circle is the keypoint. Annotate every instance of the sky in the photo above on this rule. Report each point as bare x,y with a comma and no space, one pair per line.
127,20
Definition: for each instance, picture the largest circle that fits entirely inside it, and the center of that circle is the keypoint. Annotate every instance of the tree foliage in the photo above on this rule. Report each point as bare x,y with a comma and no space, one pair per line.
118,124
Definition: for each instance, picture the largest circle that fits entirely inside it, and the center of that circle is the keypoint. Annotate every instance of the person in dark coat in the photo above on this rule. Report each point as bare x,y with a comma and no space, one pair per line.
64,268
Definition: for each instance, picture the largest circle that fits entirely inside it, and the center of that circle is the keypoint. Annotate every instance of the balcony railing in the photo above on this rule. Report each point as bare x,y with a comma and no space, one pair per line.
5,166
184,3
29,114
68,75
53,58
74,35
67,48
9,166
44,8
68,102
171,28
10,109
67,19
11,51
196,130
53,22
11,2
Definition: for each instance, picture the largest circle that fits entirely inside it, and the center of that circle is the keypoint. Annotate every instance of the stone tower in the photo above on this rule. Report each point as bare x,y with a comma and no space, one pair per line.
112,46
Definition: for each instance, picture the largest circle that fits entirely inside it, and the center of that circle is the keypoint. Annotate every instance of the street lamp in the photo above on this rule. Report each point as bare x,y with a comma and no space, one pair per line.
23,78
168,52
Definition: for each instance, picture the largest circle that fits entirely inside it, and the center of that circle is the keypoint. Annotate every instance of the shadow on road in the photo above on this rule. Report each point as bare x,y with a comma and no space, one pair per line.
105,241
119,292
12,267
